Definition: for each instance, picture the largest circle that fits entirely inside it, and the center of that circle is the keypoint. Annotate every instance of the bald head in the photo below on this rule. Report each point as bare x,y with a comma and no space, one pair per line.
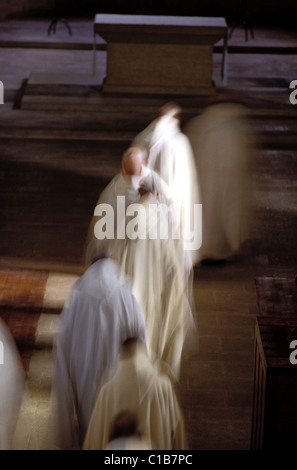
132,161
170,109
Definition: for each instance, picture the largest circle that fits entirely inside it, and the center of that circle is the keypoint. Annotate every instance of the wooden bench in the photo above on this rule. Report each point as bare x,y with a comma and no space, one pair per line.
274,413
160,54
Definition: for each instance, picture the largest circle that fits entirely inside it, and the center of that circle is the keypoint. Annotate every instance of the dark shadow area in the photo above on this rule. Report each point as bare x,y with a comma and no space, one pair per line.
17,99
45,211
279,236
236,13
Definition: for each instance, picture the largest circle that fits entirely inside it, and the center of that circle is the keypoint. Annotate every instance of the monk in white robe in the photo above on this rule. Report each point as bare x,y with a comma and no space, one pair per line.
118,195
12,387
154,262
221,141
99,315
170,154
137,386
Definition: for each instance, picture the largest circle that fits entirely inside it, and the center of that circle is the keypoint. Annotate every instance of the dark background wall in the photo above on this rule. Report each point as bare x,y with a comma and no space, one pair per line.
282,12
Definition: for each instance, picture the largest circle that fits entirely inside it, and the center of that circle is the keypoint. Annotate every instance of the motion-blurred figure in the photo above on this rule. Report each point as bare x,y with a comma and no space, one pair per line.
100,314
221,141
154,262
170,154
119,194
12,386
137,386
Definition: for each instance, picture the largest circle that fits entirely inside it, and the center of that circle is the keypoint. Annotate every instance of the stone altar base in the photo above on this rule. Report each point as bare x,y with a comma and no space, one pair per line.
161,69
159,55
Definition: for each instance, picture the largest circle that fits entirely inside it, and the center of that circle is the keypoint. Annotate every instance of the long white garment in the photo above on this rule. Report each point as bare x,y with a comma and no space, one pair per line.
118,195
138,386
220,138
99,315
155,266
170,154
12,385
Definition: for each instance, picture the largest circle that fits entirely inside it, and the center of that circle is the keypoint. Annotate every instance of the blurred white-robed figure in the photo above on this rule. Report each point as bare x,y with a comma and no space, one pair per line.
12,387
118,195
139,387
170,154
221,141
154,262
124,184
100,313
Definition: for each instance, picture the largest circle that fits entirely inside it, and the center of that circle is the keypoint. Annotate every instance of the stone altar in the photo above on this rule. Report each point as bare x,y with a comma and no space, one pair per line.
160,54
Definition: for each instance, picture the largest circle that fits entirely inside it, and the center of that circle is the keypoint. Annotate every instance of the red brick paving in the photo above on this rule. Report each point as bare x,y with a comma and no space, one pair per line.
21,301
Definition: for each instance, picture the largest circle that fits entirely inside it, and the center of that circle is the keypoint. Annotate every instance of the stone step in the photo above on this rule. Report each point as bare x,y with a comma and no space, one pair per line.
266,140
83,92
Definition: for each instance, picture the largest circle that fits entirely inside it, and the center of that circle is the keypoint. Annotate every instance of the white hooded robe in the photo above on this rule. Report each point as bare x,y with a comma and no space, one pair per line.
170,155
138,386
99,315
155,266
